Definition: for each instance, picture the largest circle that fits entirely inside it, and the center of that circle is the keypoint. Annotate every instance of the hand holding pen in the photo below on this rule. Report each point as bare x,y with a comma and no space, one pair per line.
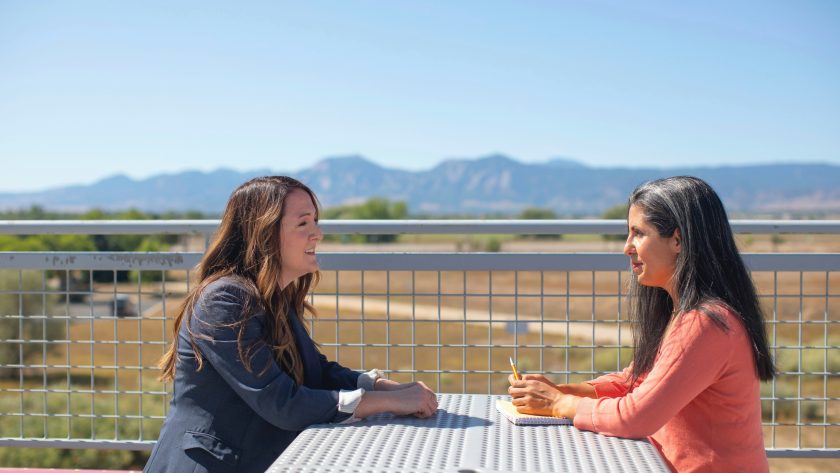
515,371
535,394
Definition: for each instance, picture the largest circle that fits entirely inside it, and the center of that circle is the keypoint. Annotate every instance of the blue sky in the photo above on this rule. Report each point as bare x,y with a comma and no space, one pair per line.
90,89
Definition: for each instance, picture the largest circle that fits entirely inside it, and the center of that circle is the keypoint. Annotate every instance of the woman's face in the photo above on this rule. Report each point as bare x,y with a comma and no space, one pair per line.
299,235
653,257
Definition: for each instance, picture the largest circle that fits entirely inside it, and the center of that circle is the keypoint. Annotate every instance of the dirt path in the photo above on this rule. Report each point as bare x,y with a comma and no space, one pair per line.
604,333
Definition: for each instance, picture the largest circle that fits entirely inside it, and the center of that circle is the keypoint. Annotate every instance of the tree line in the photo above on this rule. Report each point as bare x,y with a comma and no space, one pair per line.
376,208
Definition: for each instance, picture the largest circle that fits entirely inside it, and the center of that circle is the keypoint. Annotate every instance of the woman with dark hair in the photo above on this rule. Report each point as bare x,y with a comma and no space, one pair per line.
700,345
247,376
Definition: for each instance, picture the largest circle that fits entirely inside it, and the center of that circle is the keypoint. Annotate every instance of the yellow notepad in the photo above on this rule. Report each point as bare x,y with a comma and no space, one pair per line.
509,411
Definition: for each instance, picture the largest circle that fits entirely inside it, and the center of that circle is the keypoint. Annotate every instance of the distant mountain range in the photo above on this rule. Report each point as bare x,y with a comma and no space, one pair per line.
493,184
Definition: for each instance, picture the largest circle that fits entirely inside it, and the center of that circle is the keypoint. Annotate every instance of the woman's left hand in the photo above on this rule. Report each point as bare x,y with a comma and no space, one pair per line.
383,384
531,396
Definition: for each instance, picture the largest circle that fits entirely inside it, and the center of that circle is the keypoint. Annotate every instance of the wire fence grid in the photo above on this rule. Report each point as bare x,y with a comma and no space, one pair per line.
81,333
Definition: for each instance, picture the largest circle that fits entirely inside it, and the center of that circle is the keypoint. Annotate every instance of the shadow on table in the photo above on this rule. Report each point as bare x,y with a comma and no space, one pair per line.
441,419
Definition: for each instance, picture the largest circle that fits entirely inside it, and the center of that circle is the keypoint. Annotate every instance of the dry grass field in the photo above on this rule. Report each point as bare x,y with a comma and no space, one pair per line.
453,330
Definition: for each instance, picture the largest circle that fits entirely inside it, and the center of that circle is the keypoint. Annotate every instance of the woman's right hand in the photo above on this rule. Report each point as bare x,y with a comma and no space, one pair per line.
415,399
383,384
535,377
575,389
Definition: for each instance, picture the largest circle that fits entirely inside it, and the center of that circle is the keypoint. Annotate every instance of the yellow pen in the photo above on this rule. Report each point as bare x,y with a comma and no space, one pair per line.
515,372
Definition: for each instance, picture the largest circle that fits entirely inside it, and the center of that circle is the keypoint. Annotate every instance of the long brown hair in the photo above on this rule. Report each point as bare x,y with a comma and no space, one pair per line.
246,246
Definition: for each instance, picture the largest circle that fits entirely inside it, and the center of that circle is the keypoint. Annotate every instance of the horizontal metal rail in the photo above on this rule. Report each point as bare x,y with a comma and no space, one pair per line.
128,261
97,260
802,452
104,444
395,227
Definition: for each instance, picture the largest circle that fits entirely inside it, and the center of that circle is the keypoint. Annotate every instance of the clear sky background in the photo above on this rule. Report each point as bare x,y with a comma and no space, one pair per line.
89,89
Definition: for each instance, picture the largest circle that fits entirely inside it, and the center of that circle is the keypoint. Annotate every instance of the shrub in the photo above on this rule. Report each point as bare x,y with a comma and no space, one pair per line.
25,319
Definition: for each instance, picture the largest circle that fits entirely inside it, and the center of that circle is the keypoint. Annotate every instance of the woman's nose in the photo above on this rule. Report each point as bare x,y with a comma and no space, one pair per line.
318,235
628,246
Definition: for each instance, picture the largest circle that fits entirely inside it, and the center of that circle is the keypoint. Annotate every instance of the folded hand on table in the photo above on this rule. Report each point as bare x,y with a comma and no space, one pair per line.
400,399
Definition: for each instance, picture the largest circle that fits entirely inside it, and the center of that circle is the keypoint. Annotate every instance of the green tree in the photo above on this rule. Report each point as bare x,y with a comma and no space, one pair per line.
493,245
76,282
68,242
616,212
116,242
22,243
376,208
188,215
125,242
775,241
535,213
148,245
46,243
23,303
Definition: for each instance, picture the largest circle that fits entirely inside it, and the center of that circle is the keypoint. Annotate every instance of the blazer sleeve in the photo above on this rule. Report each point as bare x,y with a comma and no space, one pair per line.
691,359
266,387
336,376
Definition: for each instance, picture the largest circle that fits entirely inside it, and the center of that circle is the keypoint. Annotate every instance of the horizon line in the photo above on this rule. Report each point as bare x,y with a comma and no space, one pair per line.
572,163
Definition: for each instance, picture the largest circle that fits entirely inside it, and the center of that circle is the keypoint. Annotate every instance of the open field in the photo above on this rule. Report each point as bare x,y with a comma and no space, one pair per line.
752,243
453,330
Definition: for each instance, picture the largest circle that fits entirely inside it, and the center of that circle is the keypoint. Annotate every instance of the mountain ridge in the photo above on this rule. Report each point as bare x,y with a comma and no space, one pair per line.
491,184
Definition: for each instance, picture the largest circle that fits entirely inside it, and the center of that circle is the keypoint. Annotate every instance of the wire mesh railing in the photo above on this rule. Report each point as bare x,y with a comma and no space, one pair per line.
81,332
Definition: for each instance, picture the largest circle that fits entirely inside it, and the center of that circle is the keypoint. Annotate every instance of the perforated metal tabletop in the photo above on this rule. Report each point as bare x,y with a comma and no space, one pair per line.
466,435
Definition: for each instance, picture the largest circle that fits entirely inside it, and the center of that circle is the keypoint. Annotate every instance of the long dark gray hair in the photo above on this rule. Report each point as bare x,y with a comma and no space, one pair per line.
709,270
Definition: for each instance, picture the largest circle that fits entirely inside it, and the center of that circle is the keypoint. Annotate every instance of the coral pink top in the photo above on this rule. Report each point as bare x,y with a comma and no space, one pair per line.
699,404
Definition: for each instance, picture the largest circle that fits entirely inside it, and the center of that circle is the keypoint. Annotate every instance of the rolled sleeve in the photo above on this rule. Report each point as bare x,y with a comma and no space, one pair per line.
348,401
367,381
583,417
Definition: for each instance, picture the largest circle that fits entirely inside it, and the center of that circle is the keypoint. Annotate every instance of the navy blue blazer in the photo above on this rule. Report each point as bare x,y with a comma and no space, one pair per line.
225,418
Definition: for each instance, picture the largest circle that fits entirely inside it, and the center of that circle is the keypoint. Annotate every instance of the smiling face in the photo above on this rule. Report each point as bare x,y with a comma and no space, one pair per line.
299,235
653,257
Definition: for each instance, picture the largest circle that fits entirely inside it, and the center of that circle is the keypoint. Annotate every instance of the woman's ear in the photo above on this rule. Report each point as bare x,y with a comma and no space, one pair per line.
676,241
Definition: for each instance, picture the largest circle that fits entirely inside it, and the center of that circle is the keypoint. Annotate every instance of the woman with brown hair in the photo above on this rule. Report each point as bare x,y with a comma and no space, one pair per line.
247,376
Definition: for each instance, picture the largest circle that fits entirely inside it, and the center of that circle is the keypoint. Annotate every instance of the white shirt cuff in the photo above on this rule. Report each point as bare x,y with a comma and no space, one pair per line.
368,380
348,401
